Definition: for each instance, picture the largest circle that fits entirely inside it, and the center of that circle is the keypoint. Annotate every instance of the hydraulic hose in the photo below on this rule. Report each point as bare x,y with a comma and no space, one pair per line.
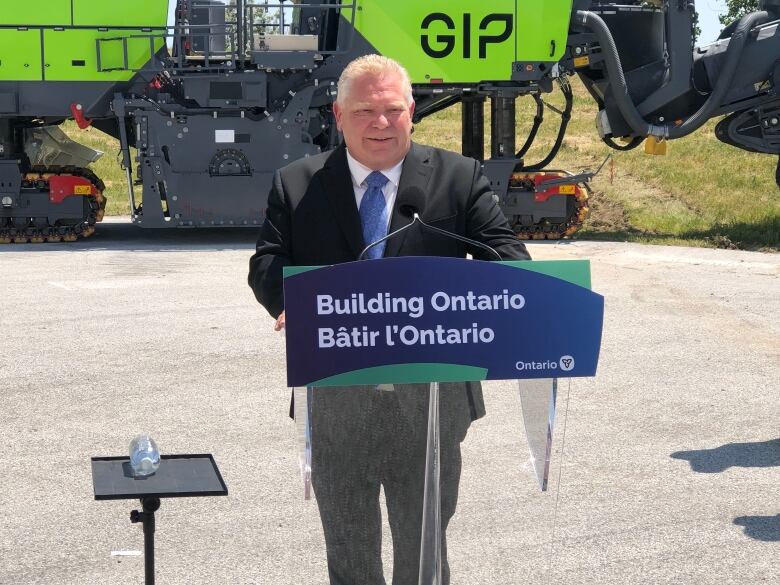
565,119
634,143
728,31
628,109
538,119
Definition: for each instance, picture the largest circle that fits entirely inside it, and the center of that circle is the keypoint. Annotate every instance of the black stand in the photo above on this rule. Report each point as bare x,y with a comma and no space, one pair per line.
178,476
150,506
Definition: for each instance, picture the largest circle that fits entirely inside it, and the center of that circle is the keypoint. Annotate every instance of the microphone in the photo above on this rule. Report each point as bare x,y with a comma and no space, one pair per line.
411,203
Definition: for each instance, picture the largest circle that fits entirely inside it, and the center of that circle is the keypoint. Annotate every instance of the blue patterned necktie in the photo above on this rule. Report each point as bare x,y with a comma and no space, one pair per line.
373,214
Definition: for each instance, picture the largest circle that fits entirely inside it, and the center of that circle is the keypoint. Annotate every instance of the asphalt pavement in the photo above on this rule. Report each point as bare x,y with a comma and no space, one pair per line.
666,466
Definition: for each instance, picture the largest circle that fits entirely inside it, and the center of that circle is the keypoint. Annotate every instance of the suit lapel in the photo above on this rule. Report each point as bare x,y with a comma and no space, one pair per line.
337,184
416,173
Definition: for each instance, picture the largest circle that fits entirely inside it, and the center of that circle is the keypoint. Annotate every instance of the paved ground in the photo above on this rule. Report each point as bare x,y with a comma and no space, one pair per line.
669,473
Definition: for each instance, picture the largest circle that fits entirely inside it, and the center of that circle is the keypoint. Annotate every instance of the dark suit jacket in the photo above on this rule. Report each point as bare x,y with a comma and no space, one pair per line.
313,220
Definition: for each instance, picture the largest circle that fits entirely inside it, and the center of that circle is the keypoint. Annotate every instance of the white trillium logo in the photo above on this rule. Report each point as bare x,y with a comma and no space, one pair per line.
566,363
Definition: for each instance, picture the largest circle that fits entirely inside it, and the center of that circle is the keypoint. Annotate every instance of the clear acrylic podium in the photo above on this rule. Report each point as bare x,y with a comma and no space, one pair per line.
421,324
538,398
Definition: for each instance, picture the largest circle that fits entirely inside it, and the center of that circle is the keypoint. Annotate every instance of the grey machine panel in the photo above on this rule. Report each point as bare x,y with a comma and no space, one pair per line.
211,168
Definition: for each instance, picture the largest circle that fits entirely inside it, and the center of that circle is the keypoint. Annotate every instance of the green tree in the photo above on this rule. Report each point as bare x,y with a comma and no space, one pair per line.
258,19
736,9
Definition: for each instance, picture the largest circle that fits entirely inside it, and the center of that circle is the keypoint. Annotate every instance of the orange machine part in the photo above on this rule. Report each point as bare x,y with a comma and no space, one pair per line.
545,194
77,112
62,186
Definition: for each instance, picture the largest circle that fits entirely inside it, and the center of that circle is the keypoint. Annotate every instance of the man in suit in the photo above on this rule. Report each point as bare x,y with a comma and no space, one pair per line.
325,210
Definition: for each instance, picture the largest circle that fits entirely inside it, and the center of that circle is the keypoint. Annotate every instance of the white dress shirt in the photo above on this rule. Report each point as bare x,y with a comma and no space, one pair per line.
359,172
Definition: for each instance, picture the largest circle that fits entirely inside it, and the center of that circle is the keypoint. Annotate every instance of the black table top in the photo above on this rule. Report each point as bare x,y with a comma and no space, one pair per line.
178,476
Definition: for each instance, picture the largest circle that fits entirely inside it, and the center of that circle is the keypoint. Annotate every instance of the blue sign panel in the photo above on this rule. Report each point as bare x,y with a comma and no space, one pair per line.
420,319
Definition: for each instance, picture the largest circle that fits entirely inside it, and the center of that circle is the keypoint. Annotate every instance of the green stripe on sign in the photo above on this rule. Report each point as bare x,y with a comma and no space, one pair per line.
406,374
573,271
295,270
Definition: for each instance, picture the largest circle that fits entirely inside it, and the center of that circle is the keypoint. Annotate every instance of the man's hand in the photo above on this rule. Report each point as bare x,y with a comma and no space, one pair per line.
279,325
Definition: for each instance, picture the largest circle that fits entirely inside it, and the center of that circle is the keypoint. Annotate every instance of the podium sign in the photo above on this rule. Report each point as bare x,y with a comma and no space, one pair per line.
421,319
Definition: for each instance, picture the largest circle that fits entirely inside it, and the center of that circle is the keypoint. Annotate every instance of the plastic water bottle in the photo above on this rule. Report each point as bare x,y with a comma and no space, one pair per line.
144,456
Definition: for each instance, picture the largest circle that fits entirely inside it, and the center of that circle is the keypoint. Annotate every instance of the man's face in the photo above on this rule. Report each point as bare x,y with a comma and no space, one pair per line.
376,120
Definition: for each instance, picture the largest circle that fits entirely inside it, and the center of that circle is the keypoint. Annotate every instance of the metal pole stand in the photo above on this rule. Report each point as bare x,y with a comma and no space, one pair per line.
430,545
146,516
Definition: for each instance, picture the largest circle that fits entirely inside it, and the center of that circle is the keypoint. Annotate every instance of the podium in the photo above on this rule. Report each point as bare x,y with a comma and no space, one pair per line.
382,329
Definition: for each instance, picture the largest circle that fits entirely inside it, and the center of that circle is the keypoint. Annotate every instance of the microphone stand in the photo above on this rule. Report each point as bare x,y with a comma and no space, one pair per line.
416,219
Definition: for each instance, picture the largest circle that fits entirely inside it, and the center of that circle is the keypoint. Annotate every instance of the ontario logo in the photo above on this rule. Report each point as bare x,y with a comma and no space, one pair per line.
565,364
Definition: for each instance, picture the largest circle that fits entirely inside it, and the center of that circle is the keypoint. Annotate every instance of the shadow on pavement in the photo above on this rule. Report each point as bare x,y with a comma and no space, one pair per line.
765,454
764,528
126,236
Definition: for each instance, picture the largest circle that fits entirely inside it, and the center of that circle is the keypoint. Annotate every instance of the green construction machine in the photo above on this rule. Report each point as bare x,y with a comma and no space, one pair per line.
207,99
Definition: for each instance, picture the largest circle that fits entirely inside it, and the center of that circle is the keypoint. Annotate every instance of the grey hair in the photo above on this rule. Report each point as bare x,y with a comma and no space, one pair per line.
378,65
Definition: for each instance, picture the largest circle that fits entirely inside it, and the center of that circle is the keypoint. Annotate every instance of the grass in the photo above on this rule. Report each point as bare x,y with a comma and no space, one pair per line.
703,193
108,168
